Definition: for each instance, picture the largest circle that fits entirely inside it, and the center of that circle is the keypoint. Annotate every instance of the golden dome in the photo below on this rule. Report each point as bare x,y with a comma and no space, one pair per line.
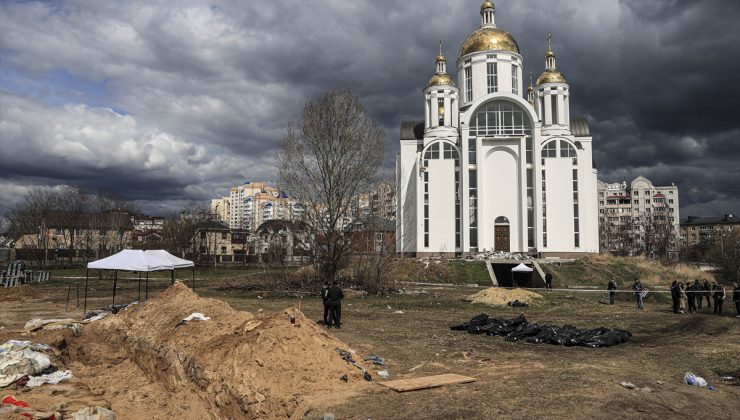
551,76
489,38
549,53
487,5
440,58
441,79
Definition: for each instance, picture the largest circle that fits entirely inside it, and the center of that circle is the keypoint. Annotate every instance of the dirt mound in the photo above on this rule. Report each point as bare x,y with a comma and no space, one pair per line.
235,364
498,296
21,292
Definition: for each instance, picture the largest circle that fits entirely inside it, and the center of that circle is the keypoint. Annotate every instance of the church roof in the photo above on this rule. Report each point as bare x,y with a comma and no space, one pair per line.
412,130
579,127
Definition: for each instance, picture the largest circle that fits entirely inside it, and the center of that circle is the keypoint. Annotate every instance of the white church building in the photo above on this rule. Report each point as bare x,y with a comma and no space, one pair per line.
495,167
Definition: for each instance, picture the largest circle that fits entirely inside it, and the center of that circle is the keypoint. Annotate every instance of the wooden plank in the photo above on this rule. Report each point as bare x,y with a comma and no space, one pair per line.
425,382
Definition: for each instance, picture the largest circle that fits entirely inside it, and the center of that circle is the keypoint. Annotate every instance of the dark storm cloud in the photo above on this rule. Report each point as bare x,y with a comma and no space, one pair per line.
202,92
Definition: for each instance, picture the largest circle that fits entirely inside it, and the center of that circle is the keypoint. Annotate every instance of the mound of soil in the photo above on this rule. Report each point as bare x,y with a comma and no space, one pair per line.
500,297
235,365
21,292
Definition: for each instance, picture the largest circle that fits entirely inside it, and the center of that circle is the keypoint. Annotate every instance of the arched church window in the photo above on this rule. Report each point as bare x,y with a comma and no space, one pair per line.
550,150
566,150
500,118
441,150
502,220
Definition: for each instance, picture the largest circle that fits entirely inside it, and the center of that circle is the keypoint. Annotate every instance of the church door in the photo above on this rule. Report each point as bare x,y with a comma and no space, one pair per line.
502,238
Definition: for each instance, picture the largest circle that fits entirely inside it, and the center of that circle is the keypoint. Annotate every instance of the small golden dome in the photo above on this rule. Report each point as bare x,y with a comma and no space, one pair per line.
487,5
440,80
440,58
489,39
549,53
551,76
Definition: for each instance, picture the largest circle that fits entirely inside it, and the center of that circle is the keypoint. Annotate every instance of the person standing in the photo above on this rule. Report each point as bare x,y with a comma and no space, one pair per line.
736,299
697,293
690,297
637,287
325,300
719,298
335,301
681,298
612,288
707,293
548,282
675,296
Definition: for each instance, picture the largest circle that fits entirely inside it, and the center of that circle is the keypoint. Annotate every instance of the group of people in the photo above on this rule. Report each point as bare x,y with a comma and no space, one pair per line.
689,297
332,298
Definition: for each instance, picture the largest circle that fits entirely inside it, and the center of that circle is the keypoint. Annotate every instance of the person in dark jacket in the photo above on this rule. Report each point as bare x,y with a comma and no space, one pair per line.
698,293
719,298
639,290
612,288
736,299
675,296
335,301
707,293
548,282
325,300
691,297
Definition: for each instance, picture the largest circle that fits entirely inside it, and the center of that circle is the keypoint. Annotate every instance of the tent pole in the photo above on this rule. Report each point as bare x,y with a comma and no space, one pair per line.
139,298
115,282
87,273
193,277
146,292
173,277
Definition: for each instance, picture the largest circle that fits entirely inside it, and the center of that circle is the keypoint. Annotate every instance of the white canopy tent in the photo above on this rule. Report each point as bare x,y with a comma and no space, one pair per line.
138,261
521,269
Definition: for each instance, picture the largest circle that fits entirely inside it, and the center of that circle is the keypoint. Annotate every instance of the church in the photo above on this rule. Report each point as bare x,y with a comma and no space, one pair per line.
494,166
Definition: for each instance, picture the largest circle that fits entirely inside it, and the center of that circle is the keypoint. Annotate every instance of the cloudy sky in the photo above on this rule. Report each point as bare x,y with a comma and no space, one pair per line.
167,102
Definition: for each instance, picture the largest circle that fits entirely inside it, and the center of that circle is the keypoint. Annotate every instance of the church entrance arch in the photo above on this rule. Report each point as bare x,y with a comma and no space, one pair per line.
502,234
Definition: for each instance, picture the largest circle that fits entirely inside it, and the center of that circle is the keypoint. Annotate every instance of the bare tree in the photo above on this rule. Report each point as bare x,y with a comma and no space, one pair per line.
328,157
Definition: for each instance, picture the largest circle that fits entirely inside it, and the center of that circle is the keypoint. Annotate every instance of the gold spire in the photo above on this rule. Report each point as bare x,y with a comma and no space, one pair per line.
549,52
487,4
441,56
530,88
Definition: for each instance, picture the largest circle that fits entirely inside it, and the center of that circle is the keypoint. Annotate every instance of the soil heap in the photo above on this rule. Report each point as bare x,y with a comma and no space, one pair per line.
235,365
21,293
500,297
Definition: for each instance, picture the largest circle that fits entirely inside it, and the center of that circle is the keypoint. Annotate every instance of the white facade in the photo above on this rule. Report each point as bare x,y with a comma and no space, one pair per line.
491,170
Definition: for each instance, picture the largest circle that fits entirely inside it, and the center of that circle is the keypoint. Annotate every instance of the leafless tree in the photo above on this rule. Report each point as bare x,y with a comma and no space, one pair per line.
330,156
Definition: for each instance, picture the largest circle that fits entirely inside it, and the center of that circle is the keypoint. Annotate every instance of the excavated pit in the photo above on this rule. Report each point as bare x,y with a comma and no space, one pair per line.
235,365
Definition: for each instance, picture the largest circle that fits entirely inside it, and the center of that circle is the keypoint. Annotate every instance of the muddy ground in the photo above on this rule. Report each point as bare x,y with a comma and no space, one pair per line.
518,380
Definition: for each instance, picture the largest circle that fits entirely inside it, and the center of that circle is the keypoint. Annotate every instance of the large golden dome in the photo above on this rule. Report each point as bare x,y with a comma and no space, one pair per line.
551,76
441,79
489,38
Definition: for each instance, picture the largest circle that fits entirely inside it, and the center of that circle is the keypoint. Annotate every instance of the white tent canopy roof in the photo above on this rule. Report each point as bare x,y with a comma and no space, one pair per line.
132,260
521,268
166,256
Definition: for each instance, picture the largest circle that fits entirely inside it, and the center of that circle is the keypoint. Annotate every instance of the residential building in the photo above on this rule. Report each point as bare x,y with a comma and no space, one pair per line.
630,215
706,231
495,165
252,203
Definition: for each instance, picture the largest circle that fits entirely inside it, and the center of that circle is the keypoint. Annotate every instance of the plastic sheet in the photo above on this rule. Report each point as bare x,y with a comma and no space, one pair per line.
519,329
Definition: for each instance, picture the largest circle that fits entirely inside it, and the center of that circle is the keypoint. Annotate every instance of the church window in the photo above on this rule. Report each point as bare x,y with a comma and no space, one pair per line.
471,151
492,78
576,224
529,151
515,80
500,118
468,84
441,111
530,208
473,207
554,108
544,210
550,150
566,150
